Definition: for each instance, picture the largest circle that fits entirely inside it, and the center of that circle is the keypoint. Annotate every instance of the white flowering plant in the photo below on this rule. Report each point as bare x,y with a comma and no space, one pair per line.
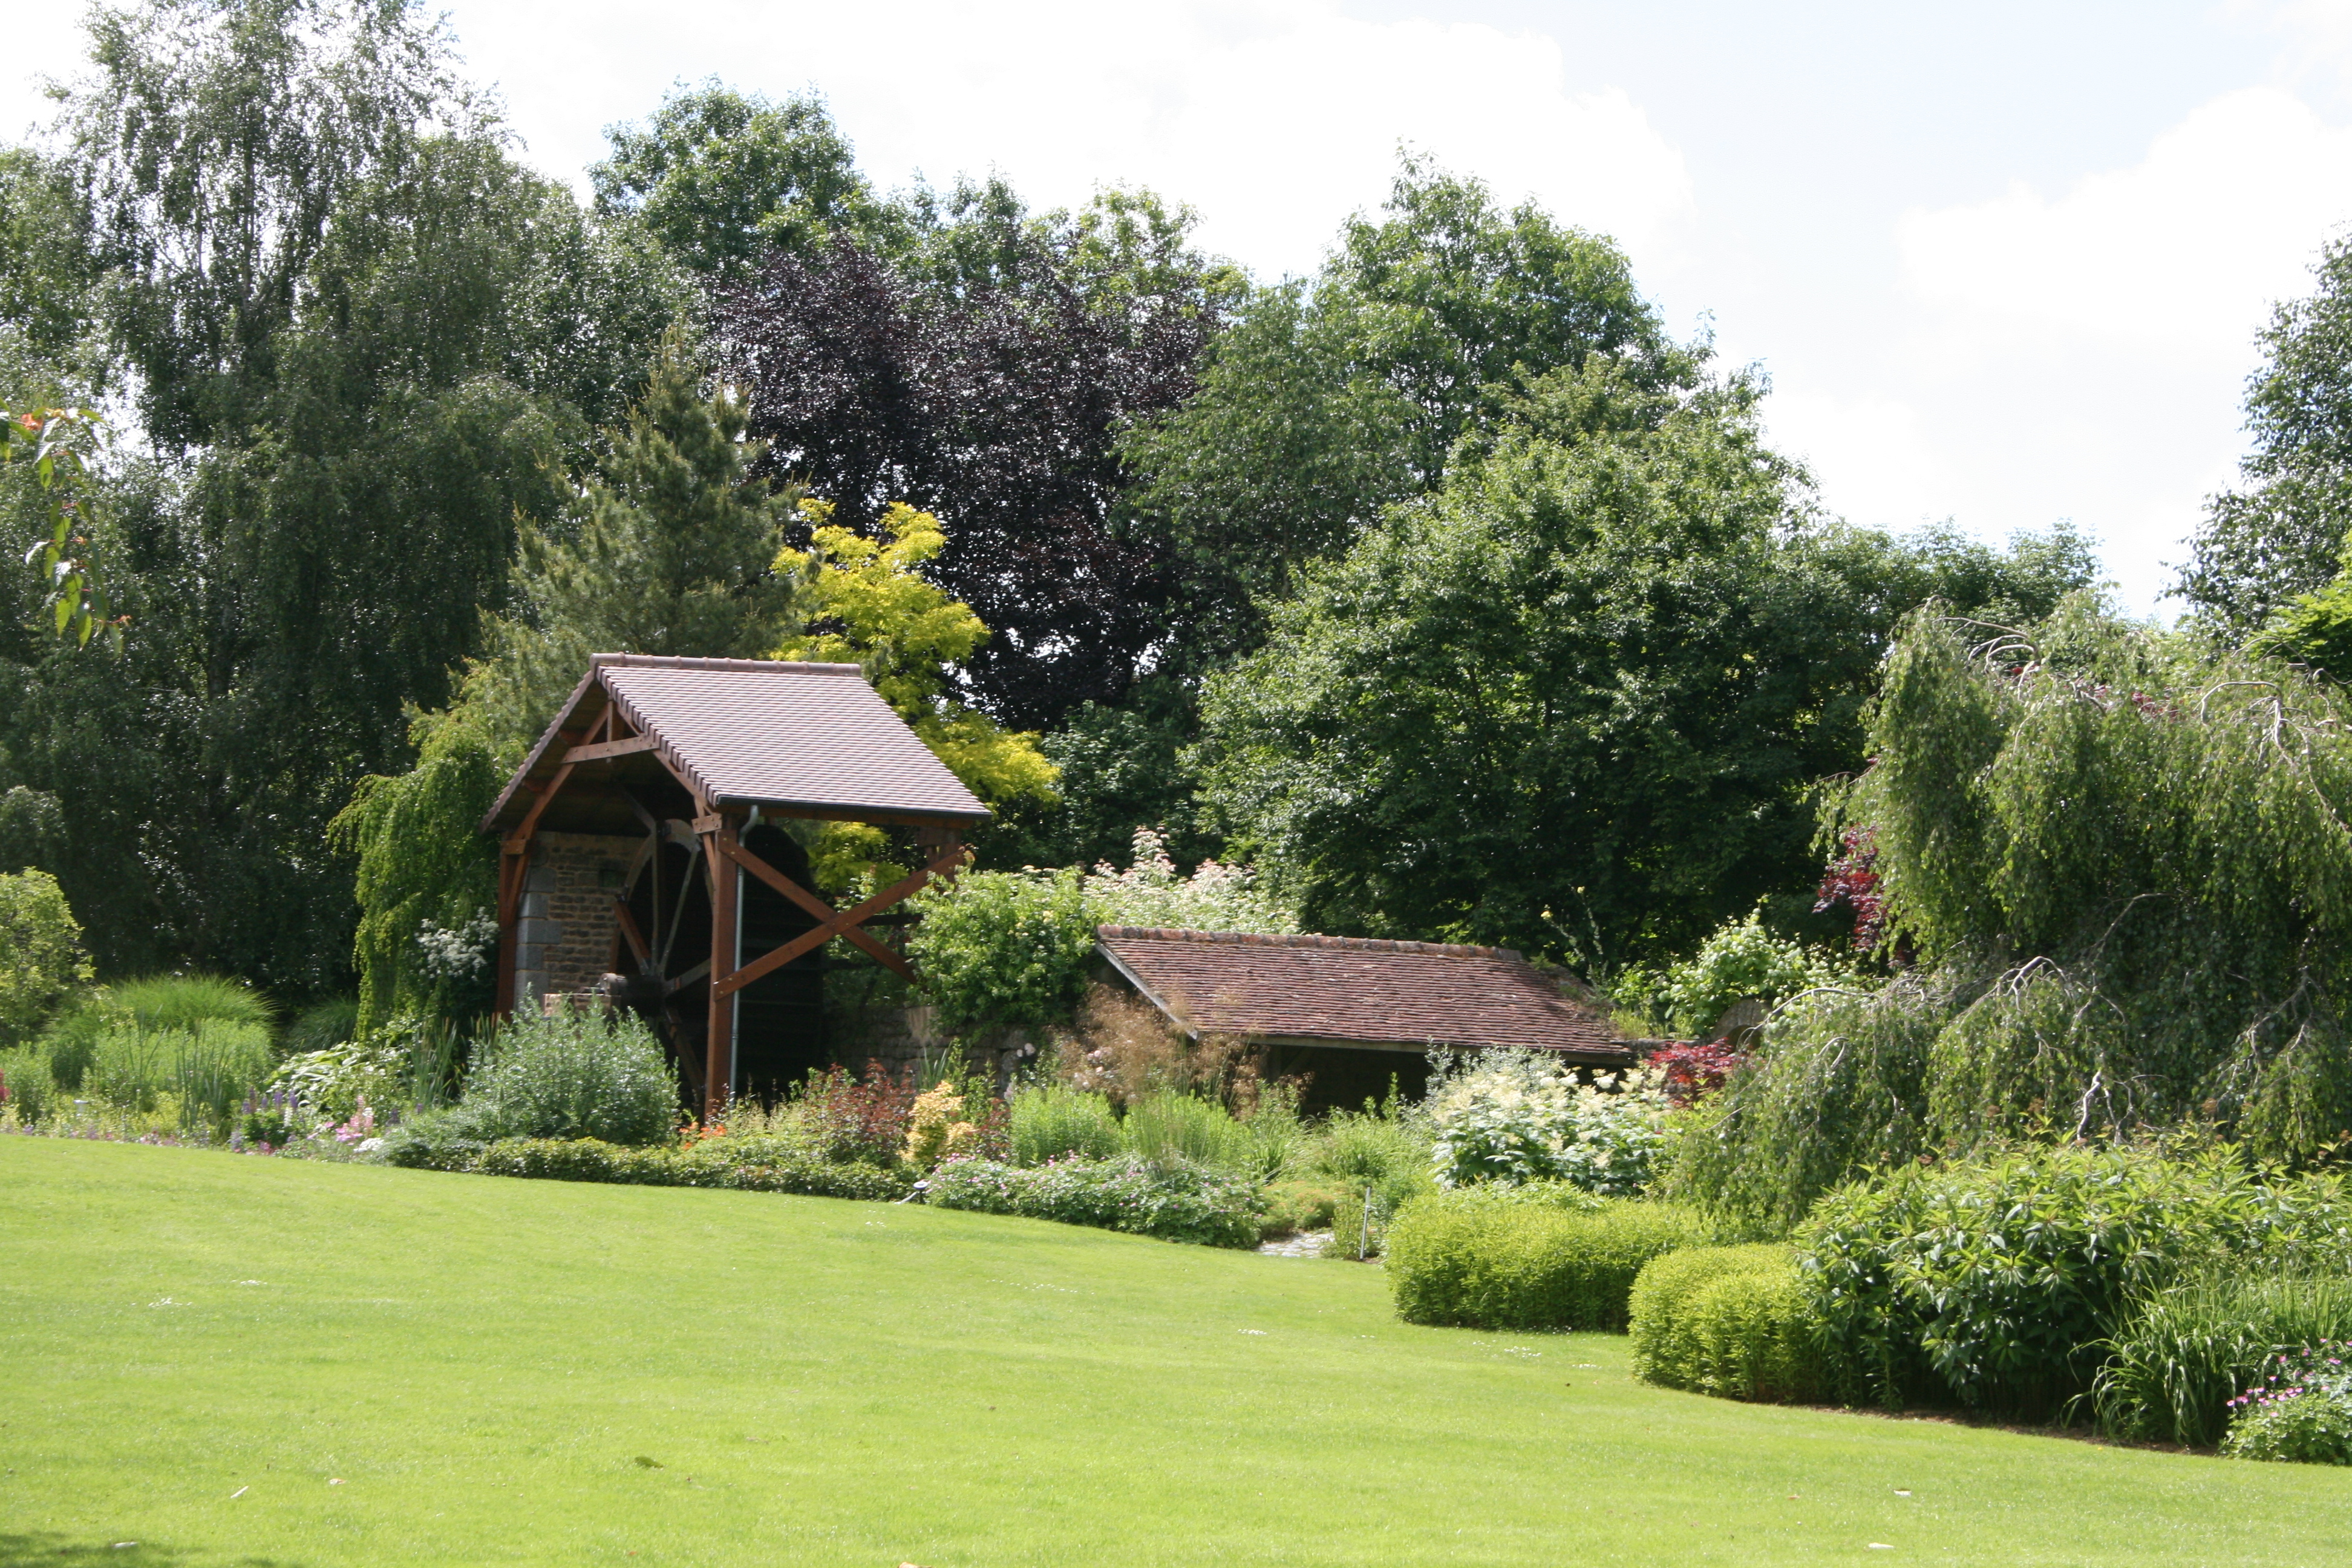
1520,1116
1215,897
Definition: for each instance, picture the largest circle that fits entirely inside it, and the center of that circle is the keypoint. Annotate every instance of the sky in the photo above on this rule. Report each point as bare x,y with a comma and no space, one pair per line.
2004,263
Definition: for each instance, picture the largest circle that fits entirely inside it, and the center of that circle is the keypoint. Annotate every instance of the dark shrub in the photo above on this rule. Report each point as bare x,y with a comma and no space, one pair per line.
1734,1322
1501,1258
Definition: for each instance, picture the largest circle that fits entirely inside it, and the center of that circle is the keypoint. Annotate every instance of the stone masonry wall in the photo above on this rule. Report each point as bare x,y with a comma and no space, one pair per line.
564,935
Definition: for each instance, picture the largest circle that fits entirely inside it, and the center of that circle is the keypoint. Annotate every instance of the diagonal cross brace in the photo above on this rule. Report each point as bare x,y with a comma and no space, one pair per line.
846,921
807,900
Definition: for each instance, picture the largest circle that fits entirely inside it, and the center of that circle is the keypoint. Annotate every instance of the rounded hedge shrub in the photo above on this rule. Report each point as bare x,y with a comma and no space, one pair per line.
1732,1321
1492,1257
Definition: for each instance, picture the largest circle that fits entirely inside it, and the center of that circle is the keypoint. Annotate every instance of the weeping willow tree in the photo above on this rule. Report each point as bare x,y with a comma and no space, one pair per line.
2118,864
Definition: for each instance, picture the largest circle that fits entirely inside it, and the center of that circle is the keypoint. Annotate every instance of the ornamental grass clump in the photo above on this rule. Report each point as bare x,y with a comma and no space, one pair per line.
1732,1321
1549,1256
2174,1372
1049,1122
578,1074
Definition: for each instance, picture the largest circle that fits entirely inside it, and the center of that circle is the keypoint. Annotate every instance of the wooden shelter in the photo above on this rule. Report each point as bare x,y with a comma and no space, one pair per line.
657,831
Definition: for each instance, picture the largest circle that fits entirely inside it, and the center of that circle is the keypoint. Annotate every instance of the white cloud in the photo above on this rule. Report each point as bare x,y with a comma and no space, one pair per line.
2182,253
2080,354
1276,118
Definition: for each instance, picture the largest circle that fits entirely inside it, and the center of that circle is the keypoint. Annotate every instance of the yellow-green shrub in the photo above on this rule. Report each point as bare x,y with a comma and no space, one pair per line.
1732,1321
1499,1259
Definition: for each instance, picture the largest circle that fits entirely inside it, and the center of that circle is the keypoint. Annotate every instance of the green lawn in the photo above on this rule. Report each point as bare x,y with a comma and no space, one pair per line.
485,1365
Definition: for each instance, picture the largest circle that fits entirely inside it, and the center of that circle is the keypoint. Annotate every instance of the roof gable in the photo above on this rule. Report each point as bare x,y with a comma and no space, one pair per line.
1350,989
809,739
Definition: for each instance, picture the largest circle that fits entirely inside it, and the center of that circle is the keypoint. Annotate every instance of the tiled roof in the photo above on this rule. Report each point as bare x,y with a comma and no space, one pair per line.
1353,989
814,736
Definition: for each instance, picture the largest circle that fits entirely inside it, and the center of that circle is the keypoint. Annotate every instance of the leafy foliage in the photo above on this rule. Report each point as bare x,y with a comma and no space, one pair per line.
880,379
1998,1282
867,602
357,338
2280,535
1175,1202
2122,862
1486,1258
722,178
1329,400
574,1075
1215,896
1572,702
1732,1321
42,964
2301,1410
1739,962
1051,1122
1000,948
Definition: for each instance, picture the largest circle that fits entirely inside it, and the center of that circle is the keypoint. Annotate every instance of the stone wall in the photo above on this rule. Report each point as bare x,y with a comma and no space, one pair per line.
565,932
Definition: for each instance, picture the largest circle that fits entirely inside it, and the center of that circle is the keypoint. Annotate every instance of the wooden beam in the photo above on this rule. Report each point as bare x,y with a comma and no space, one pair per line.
529,823
514,864
807,900
652,825
632,935
719,1076
600,750
672,987
809,940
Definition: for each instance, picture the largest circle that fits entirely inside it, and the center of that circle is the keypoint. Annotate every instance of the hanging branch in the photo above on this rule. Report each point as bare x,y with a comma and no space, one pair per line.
67,557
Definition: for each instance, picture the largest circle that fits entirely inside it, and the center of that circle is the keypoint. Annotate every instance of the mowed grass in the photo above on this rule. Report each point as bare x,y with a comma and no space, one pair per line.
488,1366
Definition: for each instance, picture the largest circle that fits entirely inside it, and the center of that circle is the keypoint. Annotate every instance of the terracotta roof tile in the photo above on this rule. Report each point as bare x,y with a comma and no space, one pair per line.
814,736
1353,988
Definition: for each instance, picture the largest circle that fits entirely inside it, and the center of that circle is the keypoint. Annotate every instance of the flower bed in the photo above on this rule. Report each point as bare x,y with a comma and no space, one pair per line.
1175,1202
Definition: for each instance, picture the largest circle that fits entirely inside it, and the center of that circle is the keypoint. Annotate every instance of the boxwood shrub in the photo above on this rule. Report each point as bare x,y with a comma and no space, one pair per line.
1175,1202
1496,1258
1734,1322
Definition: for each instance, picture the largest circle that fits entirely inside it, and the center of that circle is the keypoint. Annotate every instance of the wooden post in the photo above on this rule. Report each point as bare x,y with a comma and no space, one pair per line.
514,864
718,1070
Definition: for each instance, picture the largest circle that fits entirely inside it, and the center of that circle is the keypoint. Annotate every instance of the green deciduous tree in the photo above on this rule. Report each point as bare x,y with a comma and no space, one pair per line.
41,959
1329,399
722,178
1573,702
2282,533
360,340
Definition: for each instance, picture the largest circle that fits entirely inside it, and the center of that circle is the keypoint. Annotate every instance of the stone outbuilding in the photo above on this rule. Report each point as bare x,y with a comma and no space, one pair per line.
1353,1014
